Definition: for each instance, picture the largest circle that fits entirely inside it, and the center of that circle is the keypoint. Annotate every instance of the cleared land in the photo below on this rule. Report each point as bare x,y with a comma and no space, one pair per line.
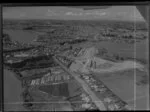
88,62
120,77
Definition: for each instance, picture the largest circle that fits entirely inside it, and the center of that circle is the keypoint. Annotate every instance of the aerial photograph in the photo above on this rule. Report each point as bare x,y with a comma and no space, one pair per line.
75,58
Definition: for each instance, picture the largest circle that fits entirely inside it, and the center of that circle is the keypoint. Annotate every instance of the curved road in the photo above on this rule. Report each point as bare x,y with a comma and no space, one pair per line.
87,89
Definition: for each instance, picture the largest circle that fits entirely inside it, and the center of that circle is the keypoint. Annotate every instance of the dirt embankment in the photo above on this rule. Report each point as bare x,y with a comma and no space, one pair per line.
89,62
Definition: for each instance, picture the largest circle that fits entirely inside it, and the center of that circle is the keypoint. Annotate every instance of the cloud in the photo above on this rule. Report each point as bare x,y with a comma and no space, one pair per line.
69,13
22,15
74,13
51,13
112,13
101,14
96,13
88,13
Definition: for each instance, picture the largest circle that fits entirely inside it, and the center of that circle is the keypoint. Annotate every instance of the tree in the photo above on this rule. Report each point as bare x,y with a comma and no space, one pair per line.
121,58
117,57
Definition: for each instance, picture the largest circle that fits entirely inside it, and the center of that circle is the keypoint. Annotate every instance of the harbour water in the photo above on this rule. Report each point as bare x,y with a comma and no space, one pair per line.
12,92
22,35
139,49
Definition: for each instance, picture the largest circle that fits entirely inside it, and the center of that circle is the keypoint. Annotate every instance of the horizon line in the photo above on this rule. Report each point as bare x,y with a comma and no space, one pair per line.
75,19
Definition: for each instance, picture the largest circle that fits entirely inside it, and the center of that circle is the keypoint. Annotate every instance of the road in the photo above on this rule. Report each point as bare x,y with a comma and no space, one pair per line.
102,65
87,89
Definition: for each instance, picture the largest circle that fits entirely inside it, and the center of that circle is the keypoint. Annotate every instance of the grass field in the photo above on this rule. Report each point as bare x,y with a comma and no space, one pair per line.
123,84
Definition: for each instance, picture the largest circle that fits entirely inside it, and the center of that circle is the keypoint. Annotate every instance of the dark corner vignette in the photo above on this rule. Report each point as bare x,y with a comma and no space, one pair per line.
70,57
1,62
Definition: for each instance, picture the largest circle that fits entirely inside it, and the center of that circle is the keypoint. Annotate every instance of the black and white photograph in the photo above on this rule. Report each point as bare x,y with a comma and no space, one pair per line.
75,58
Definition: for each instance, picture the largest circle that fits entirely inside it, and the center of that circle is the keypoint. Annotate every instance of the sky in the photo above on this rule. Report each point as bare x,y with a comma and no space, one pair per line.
126,13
